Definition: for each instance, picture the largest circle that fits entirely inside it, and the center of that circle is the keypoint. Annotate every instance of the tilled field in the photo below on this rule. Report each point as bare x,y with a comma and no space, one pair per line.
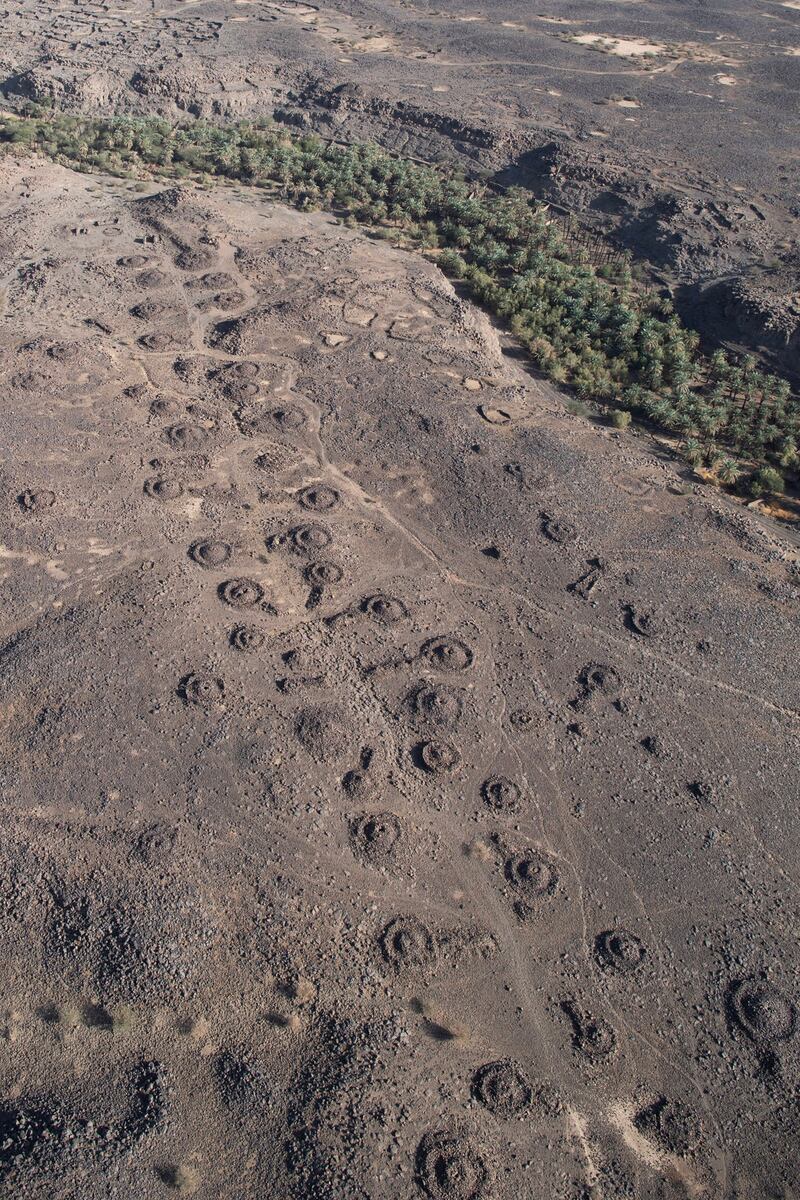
398,770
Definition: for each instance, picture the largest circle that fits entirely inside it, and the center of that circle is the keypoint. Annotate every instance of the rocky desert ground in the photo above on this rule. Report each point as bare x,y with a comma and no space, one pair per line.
398,769
671,128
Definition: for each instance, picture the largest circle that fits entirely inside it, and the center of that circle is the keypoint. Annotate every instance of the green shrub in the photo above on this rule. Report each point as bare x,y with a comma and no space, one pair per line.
452,263
766,481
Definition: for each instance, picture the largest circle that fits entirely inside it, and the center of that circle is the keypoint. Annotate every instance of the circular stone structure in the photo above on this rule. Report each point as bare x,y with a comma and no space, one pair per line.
163,488
501,794
407,944
643,621
762,1011
210,553
593,1038
438,757
375,836
438,705
620,950
318,497
503,1088
447,654
203,690
33,502
288,416
672,1124
310,539
185,436
386,610
450,1167
600,679
241,593
246,637
323,573
559,531
531,874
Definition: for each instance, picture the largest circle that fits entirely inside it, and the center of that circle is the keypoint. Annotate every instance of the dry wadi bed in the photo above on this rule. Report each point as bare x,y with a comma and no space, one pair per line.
398,771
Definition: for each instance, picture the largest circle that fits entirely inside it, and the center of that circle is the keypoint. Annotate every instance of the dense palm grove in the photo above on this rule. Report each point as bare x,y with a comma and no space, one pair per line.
610,340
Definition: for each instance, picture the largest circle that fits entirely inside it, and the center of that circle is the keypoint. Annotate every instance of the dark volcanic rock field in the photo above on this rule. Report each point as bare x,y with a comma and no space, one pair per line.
398,771
670,127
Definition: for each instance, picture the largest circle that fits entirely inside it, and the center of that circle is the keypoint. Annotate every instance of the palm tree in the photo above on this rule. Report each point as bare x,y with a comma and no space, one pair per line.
710,452
788,452
728,471
693,453
718,366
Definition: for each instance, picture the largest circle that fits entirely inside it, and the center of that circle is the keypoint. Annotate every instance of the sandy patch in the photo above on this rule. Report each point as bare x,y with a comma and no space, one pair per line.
336,27
357,314
621,47
726,80
634,48
379,43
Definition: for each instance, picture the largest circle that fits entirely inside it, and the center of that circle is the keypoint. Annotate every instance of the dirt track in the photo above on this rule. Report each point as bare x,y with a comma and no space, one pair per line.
398,771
